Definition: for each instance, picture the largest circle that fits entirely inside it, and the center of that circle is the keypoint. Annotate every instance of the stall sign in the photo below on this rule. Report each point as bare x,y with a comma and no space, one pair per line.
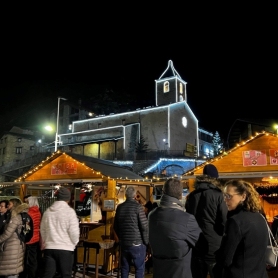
66,168
273,156
254,158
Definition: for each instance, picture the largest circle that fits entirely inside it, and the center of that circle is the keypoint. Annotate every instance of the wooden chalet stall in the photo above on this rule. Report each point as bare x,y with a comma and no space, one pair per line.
104,181
254,160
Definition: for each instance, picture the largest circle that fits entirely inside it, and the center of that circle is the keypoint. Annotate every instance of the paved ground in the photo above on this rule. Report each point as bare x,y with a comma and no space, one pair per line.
114,274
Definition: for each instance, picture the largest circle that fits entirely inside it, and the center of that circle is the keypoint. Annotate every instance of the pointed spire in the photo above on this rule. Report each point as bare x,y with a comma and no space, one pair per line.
170,71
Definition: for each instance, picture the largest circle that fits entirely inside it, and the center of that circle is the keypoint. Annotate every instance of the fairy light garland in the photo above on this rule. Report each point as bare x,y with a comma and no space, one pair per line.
221,156
53,156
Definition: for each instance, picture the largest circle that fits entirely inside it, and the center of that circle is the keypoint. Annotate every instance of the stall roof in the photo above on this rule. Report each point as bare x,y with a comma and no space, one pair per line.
107,168
92,170
256,157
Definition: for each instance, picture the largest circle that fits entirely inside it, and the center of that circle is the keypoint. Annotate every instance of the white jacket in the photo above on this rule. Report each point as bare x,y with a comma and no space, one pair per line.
60,227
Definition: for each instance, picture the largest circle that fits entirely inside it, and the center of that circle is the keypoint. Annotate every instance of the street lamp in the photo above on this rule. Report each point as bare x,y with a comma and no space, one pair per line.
57,126
276,127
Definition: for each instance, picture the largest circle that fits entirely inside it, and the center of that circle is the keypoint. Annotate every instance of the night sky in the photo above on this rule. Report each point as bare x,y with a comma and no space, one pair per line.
229,64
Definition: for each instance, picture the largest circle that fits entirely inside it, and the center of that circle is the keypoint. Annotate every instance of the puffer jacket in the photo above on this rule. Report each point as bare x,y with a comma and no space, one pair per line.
11,248
35,214
131,223
207,204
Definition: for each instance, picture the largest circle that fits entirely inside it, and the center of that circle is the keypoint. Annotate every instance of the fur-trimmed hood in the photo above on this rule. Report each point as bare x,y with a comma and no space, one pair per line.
206,182
19,209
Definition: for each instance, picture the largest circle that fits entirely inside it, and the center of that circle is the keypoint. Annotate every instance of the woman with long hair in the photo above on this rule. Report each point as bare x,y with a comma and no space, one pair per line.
243,247
11,248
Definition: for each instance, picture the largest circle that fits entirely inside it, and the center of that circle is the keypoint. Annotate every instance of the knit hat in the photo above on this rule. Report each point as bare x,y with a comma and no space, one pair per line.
63,194
210,170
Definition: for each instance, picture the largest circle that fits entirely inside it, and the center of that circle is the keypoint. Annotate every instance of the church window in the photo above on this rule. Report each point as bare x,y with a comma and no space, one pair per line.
166,87
181,88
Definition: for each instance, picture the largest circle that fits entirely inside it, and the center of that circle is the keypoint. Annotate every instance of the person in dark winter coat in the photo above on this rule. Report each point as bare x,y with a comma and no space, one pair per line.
207,204
243,246
11,248
131,227
173,233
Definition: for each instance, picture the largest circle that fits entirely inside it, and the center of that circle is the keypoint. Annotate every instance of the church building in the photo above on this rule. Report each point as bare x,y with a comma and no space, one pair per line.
168,127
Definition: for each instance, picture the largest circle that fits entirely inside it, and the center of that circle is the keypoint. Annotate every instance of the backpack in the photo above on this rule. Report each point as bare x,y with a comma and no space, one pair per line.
27,228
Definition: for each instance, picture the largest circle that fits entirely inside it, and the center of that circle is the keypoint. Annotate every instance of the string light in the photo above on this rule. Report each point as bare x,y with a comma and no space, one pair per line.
56,155
220,156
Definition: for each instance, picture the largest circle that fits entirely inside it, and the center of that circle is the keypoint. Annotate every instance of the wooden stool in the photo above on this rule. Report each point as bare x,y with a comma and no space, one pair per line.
87,245
84,232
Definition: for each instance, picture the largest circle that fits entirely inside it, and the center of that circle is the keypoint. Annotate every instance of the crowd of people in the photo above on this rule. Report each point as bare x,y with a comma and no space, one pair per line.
220,232
51,248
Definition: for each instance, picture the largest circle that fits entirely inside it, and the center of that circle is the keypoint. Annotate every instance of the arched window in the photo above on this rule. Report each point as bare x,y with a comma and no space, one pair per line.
166,87
181,88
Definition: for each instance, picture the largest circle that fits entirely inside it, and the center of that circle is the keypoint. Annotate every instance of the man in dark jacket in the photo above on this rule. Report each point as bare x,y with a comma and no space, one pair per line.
131,227
207,204
173,233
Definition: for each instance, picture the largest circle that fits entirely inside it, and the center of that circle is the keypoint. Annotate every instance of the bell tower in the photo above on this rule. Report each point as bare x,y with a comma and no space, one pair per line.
170,88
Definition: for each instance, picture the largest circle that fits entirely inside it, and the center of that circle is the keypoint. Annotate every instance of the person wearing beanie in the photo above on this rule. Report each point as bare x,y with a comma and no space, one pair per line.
59,235
173,234
207,204
211,171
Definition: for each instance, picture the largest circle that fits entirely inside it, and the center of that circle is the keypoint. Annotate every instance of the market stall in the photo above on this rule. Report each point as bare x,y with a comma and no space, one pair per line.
254,160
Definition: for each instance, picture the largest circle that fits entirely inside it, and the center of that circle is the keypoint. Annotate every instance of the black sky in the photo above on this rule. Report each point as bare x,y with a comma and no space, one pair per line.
229,61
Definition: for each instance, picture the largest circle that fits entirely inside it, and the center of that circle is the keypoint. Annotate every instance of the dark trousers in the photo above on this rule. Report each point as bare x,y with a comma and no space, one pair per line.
133,255
30,261
57,260
200,268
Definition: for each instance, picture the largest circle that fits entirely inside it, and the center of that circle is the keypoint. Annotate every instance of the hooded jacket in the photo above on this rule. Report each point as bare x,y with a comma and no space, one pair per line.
60,227
11,248
207,204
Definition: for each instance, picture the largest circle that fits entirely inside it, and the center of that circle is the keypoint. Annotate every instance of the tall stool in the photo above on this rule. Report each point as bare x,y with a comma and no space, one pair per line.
87,245
84,233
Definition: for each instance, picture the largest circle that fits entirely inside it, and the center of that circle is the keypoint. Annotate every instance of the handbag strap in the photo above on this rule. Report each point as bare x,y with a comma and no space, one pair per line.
272,242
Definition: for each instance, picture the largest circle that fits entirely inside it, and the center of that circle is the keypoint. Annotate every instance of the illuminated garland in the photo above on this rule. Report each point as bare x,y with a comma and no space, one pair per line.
222,155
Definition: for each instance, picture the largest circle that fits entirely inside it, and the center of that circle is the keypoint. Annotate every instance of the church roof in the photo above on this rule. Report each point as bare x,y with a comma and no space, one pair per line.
170,71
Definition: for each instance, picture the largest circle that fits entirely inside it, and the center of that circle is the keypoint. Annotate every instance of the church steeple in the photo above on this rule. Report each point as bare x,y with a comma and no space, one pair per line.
170,87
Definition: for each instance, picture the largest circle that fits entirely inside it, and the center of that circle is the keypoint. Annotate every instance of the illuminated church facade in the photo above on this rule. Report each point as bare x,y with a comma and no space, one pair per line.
168,128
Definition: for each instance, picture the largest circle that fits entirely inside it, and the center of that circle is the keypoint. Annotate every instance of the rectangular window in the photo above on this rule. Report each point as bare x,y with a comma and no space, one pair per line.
123,122
4,150
99,125
18,150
